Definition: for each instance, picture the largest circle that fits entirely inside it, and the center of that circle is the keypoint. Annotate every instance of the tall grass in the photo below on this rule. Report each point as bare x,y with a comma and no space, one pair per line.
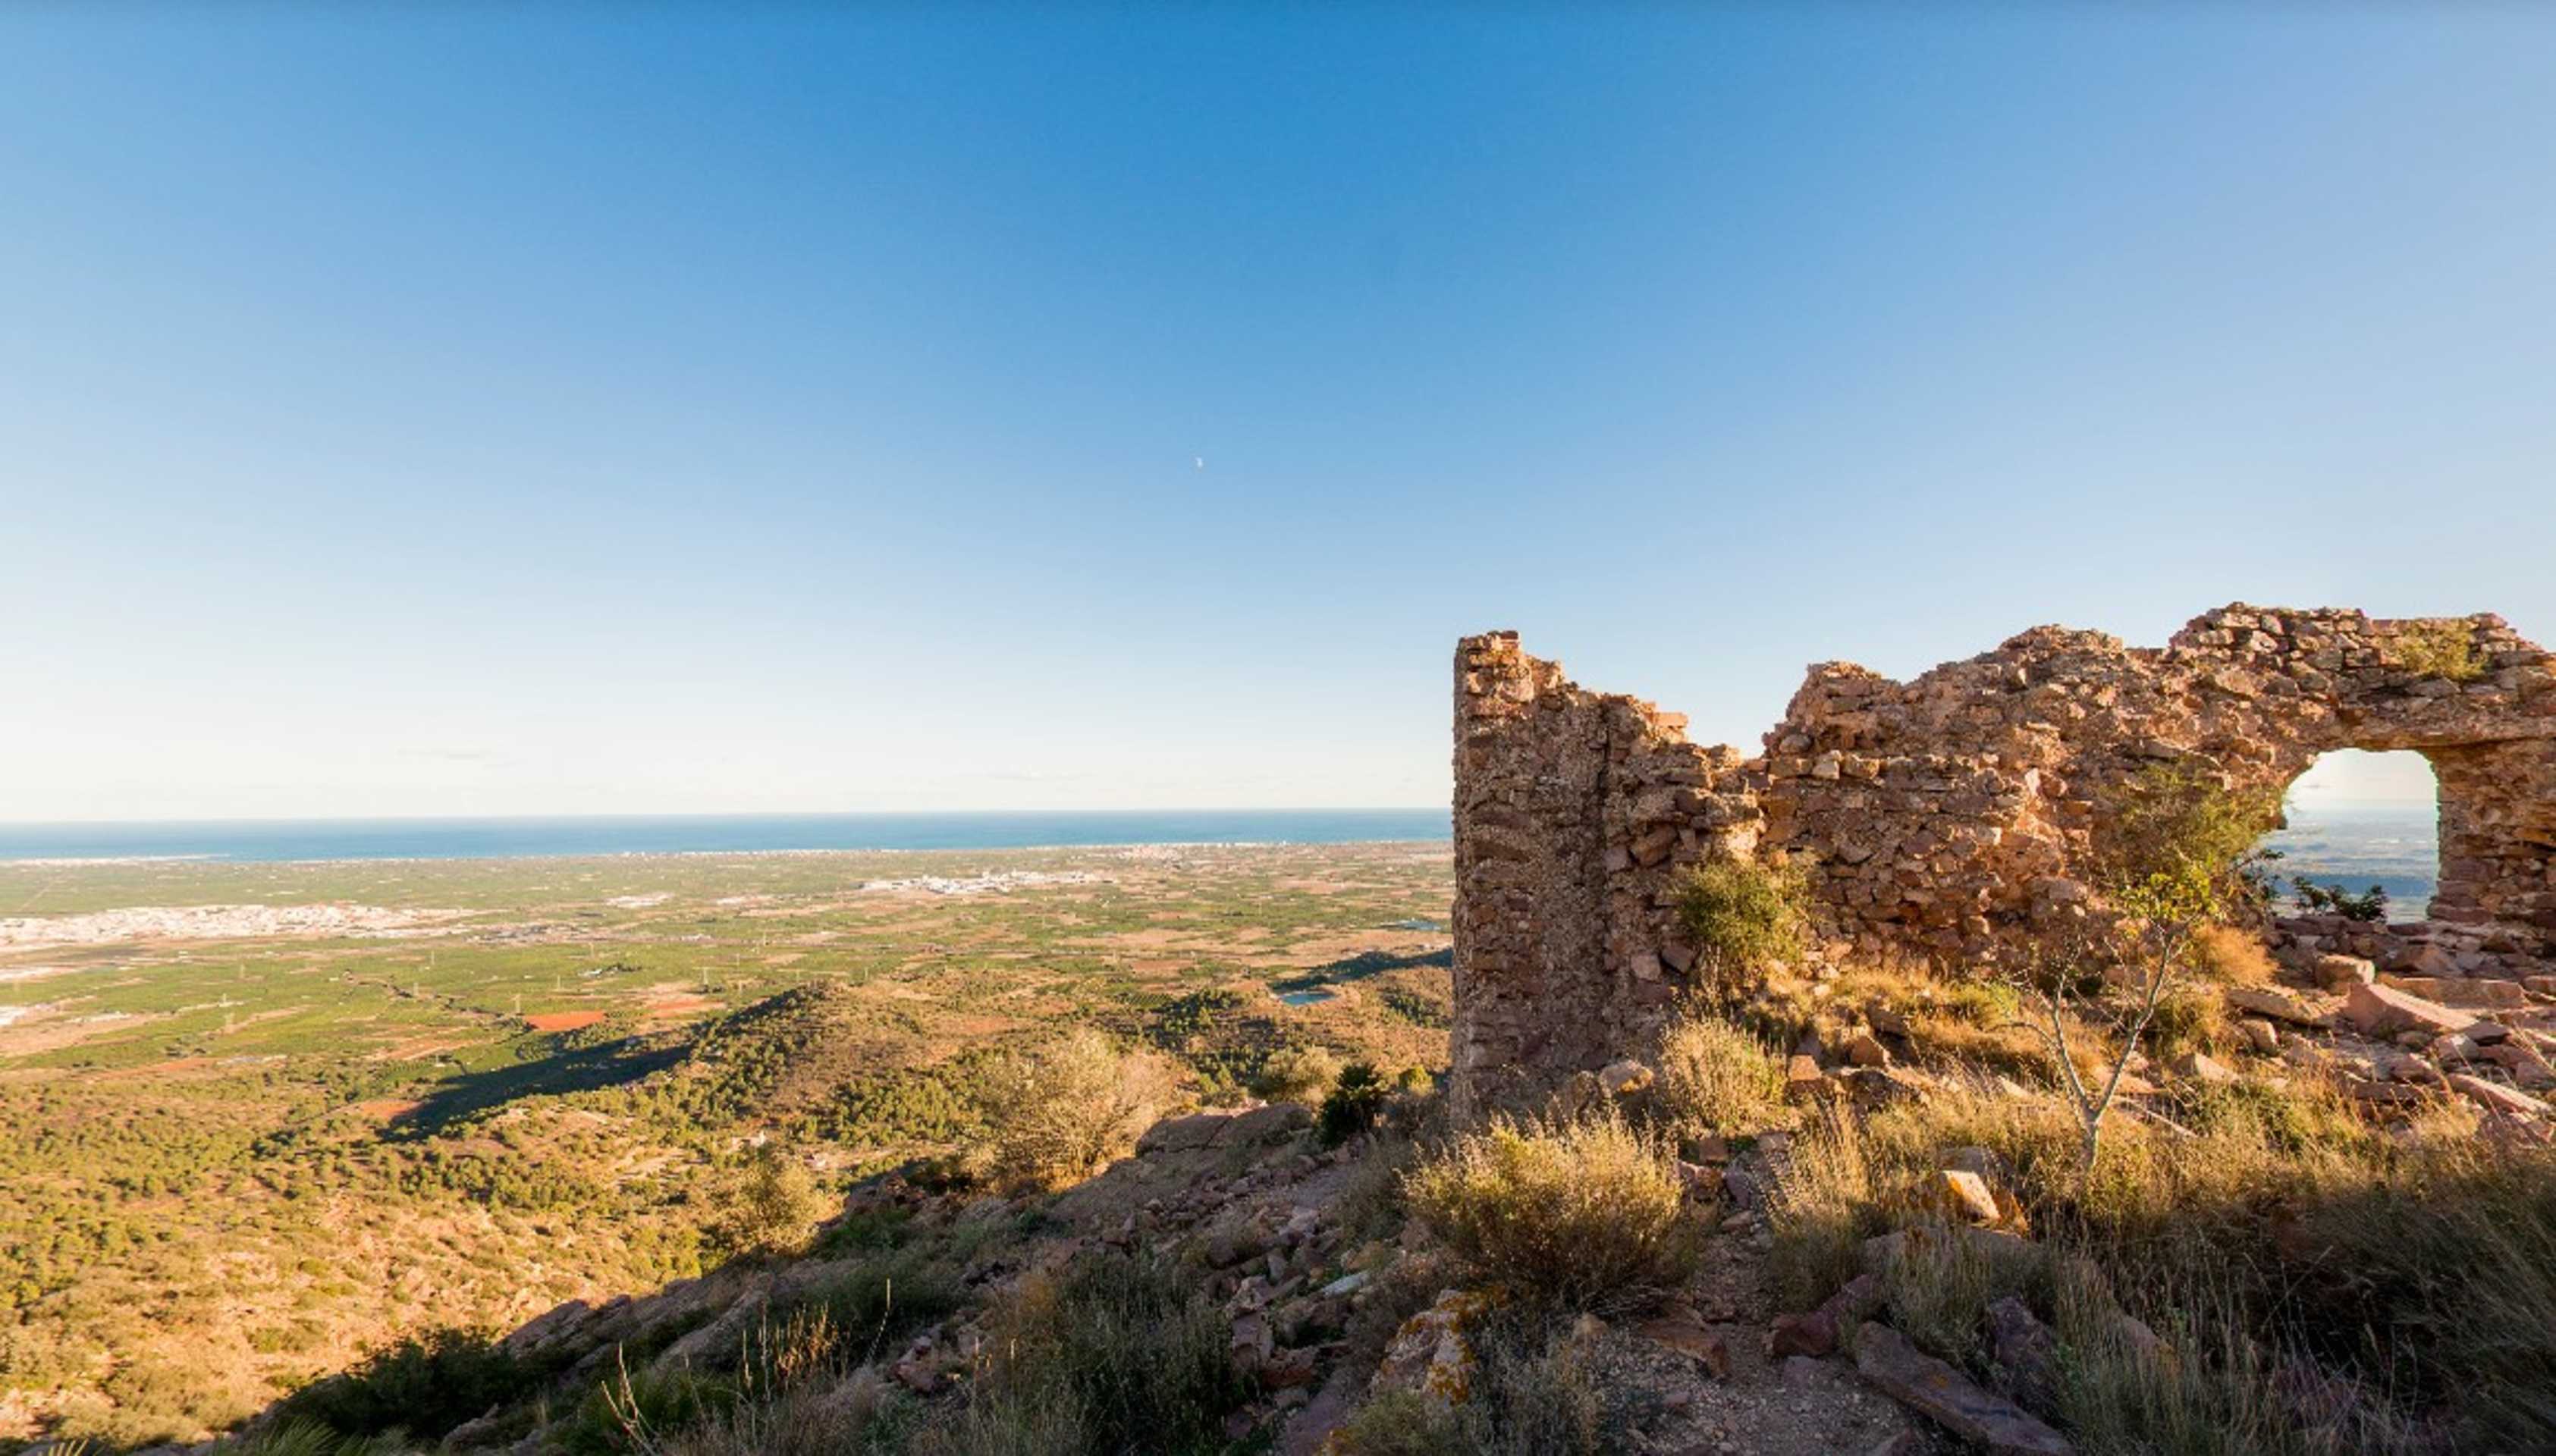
2331,1285
1114,1353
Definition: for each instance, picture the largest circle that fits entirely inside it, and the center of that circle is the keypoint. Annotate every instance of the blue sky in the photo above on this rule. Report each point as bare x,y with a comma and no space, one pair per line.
594,409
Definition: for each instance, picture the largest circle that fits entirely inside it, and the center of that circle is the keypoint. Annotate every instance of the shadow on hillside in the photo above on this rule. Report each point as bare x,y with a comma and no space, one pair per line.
1361,966
574,1069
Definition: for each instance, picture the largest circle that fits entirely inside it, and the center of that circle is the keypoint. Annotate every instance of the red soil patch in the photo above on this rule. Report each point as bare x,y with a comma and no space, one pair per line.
563,1021
388,1109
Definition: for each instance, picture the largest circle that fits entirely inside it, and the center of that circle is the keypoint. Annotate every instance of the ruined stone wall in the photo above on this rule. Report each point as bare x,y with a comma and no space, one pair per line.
1950,814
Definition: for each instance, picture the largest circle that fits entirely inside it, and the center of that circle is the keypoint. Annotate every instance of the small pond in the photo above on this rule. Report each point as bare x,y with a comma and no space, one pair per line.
1306,998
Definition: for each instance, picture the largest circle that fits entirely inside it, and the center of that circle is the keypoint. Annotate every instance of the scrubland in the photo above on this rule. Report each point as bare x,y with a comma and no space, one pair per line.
229,1167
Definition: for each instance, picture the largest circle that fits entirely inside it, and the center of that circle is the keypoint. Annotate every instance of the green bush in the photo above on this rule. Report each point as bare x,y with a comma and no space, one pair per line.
424,1386
1295,1074
881,1300
2441,646
2370,905
1351,1106
634,1410
1742,914
1583,1215
2181,844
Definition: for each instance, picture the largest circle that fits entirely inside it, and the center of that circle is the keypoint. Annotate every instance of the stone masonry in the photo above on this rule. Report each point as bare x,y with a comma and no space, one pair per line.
1949,816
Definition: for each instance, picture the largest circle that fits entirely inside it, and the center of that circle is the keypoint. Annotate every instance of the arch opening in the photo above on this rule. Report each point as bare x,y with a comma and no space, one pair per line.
2355,822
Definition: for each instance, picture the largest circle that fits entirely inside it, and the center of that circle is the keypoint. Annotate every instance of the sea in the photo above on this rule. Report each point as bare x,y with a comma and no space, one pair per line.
2393,846
273,840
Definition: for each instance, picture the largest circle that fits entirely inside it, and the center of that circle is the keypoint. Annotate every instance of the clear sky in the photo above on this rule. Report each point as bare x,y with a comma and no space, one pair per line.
588,409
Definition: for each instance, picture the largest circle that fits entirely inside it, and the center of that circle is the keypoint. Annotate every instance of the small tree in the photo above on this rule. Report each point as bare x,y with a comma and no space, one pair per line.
2179,858
2371,904
766,1205
1052,1112
1742,914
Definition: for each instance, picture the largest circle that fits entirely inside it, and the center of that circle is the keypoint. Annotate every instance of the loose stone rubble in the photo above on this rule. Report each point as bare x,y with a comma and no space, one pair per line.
1953,815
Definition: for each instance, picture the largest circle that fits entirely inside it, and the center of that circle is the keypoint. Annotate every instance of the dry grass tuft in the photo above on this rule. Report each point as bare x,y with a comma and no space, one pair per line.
1580,1215
1715,1078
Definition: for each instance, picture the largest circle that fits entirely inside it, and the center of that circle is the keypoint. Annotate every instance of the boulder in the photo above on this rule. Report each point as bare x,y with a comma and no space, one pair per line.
2026,1351
1813,1333
1623,1078
2259,1035
2460,990
1943,1396
1803,1080
1864,1050
2383,1011
1958,1194
2339,972
2278,1003
2424,959
1689,1335
2201,1066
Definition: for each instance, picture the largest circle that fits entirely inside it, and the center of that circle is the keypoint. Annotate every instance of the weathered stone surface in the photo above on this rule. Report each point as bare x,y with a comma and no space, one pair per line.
1690,1336
2201,1066
2026,1351
1958,1194
2495,1097
2277,1004
2336,972
2382,1011
2458,991
1810,1333
1622,1078
1942,1394
1955,815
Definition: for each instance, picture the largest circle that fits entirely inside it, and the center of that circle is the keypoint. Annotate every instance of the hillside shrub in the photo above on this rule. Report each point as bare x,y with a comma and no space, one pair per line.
424,1386
2232,956
1052,1113
1295,1074
1742,914
1114,1353
767,1205
1586,1215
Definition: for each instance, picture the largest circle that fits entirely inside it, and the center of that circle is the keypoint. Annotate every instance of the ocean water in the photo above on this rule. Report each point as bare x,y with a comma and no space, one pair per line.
2395,847
397,839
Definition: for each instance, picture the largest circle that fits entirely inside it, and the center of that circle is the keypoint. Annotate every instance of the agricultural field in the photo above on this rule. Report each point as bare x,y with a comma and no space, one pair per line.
258,1118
